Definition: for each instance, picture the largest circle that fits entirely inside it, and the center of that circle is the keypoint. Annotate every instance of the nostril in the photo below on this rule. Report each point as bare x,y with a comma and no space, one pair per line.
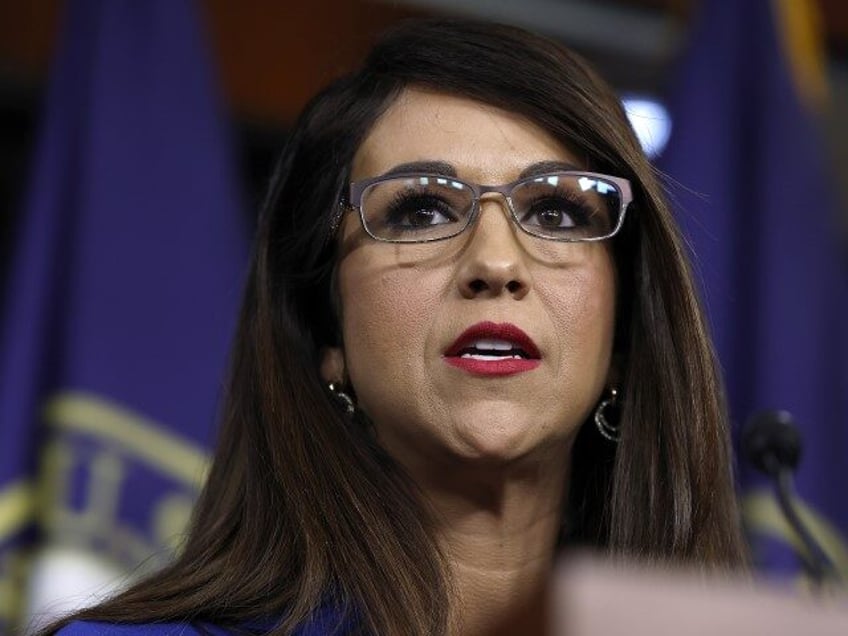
513,286
477,285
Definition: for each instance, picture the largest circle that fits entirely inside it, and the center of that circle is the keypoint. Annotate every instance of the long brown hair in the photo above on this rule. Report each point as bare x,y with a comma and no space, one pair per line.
302,509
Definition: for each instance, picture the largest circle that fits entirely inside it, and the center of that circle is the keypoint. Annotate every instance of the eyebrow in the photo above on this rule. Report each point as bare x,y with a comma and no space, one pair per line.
545,167
426,167
446,169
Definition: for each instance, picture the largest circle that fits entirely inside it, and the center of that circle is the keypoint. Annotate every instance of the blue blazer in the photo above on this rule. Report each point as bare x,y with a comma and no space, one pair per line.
325,622
85,628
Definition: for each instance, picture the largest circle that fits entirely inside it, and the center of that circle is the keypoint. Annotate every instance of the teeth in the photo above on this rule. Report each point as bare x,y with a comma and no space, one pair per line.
492,345
481,356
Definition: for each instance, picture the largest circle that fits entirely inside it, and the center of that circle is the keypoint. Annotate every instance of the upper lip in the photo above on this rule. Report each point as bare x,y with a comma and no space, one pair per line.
494,331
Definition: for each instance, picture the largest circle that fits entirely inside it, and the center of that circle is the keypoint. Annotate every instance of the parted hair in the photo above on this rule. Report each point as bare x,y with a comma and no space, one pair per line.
303,509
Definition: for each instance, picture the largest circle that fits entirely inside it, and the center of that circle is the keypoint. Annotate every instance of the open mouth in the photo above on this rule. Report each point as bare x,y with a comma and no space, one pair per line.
485,349
489,348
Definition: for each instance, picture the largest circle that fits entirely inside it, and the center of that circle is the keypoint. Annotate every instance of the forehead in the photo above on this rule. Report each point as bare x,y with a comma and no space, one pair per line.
483,143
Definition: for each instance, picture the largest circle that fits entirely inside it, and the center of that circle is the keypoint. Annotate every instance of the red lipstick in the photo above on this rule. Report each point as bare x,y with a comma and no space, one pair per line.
493,349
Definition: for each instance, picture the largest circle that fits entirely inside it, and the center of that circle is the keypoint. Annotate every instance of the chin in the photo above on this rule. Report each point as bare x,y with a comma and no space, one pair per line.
504,439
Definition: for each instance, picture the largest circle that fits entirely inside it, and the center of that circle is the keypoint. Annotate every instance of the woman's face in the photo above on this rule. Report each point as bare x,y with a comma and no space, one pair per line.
404,307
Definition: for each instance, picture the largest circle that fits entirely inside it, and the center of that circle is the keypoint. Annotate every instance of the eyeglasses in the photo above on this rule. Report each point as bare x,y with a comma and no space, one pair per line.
558,206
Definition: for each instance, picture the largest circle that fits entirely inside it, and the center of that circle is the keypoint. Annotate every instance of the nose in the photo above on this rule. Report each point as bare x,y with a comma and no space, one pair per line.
493,261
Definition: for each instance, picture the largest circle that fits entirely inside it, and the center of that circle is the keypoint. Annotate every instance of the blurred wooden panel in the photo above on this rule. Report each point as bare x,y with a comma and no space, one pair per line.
274,55
28,31
835,17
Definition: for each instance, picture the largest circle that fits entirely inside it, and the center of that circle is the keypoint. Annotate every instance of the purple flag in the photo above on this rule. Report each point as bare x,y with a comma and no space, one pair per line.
122,294
756,201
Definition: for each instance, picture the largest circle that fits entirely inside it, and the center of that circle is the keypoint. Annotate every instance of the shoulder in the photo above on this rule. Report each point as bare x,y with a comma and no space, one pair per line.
89,628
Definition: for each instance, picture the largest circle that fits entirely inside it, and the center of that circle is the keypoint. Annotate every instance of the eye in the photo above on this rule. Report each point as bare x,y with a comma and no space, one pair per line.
557,212
418,210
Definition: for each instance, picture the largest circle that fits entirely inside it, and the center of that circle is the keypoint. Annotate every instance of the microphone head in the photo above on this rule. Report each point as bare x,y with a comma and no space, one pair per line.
771,442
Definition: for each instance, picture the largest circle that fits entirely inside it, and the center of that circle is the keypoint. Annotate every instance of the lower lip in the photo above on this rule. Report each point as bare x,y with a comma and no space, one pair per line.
510,366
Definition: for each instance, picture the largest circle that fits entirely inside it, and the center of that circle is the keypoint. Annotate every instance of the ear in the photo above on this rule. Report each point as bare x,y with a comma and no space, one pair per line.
332,365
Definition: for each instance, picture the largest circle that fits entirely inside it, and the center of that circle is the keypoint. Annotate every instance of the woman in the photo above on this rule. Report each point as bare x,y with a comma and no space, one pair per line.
437,385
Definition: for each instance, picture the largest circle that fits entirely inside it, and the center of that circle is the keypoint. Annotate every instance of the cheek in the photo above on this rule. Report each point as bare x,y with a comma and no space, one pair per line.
587,308
385,313
582,307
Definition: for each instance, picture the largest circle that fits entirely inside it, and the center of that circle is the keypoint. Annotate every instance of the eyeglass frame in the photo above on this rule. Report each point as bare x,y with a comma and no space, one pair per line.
356,189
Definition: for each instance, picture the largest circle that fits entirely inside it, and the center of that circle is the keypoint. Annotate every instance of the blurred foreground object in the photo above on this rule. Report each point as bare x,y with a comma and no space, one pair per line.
755,198
594,598
121,302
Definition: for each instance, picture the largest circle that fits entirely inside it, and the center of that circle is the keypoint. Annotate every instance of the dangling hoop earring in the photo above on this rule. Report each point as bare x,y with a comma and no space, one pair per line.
344,400
609,431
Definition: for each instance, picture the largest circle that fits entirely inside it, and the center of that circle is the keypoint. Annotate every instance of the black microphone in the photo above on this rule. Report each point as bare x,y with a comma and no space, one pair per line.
772,443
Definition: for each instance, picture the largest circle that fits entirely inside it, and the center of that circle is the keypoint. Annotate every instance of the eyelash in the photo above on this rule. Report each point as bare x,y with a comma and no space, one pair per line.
424,200
582,205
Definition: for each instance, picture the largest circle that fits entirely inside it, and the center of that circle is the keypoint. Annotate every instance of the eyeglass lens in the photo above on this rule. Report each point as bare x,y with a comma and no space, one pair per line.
569,207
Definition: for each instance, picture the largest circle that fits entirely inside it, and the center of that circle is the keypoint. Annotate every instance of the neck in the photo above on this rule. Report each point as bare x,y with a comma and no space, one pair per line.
498,526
